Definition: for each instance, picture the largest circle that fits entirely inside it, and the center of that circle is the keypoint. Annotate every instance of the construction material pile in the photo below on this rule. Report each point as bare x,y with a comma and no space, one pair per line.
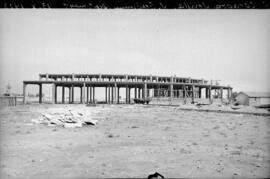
67,119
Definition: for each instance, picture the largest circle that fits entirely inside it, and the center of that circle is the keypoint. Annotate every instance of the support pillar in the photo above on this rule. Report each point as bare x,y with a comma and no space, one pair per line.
200,92
24,93
106,95
63,94
93,94
91,99
72,94
145,91
127,90
115,93
139,92
193,94
210,95
135,93
118,94
53,93
112,95
40,93
221,94
87,94
109,95
83,94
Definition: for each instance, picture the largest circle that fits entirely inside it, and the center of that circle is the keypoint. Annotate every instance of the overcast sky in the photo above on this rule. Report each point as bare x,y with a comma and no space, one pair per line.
228,45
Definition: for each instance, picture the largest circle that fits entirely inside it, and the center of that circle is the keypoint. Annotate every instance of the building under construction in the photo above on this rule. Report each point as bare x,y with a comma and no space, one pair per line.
141,85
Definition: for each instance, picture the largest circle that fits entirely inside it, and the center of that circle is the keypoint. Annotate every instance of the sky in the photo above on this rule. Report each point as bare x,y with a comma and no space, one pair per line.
232,46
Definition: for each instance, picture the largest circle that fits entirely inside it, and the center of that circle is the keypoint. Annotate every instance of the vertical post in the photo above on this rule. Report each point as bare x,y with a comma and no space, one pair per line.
40,93
126,95
145,91
112,95
83,94
63,94
200,92
135,95
171,91
109,95
115,93
185,94
106,100
53,93
93,94
87,94
91,98
72,94
129,89
193,93
69,94
210,95
118,94
24,91
221,94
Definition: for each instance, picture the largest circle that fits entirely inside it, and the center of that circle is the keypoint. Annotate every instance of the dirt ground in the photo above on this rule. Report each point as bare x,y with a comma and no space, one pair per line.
134,141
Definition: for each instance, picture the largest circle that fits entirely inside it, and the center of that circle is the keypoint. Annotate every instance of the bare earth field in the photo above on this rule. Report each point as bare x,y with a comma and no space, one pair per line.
134,141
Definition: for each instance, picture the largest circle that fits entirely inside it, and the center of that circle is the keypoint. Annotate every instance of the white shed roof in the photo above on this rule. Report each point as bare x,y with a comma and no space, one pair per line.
257,94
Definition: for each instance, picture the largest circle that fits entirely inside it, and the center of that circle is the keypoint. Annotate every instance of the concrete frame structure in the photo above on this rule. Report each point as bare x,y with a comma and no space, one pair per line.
177,87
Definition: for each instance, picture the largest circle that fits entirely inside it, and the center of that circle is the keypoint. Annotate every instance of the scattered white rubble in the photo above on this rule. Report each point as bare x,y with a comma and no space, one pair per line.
67,119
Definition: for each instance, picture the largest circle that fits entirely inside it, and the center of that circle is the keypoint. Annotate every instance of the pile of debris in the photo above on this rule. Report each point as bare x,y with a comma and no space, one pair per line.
68,119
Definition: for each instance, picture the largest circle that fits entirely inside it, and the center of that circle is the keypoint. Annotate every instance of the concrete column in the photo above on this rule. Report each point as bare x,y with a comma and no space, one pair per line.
69,95
118,94
115,93
63,94
193,93
139,92
72,94
129,89
40,93
83,94
106,95
200,92
127,94
221,93
91,98
93,94
145,91
171,90
53,93
112,95
135,95
24,93
109,95
210,94
87,94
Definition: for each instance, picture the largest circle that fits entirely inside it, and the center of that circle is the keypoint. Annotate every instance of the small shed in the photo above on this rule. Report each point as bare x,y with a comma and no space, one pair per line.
253,98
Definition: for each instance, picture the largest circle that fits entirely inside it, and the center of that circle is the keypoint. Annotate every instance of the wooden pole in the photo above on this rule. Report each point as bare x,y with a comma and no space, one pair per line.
40,93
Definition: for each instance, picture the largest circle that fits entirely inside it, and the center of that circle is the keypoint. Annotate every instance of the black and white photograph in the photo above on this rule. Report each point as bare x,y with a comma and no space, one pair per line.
134,93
